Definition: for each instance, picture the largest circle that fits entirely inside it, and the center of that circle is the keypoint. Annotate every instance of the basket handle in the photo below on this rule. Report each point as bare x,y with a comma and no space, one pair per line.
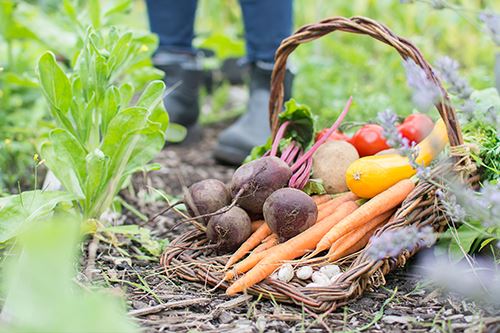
364,26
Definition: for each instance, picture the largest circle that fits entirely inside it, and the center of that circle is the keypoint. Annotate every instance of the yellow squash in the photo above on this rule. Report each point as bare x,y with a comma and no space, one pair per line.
370,175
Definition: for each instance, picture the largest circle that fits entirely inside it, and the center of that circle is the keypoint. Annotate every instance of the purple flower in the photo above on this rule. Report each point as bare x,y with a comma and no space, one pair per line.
392,242
477,277
461,203
448,69
449,202
425,92
492,22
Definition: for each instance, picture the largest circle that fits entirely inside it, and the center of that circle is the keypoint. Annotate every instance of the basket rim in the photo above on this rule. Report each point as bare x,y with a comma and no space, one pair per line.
362,26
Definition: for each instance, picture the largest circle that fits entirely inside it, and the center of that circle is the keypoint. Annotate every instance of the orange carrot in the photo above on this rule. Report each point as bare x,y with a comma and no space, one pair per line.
255,239
267,243
264,232
257,224
291,249
320,199
329,207
252,260
356,239
377,205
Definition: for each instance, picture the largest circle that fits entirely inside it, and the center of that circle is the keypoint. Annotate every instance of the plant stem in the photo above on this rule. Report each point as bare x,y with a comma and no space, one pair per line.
278,137
335,125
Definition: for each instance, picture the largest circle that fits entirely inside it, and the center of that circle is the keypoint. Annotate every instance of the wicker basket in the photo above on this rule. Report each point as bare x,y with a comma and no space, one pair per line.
189,258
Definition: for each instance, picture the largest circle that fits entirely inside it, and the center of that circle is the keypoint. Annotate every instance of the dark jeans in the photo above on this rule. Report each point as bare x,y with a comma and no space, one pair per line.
267,23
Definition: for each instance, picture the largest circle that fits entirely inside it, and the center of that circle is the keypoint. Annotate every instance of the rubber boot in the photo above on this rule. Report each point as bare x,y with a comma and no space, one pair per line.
183,77
251,129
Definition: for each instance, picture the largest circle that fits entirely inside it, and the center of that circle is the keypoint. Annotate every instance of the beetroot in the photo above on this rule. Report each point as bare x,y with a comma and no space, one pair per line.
229,229
256,180
205,197
288,212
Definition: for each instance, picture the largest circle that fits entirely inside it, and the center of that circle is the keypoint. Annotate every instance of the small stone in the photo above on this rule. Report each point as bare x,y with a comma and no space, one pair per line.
261,324
225,317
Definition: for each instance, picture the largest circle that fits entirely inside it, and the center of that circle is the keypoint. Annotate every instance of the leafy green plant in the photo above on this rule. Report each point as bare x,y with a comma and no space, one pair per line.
26,31
39,289
105,132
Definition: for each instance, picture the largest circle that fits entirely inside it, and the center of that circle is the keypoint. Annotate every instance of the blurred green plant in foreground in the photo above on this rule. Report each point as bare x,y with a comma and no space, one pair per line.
41,290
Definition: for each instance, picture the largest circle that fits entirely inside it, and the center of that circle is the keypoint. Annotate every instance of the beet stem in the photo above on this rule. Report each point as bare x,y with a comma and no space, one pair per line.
315,147
166,210
293,154
304,177
294,179
286,152
220,211
278,137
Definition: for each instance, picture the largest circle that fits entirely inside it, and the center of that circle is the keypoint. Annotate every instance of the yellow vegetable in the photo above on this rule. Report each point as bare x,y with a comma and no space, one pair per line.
371,175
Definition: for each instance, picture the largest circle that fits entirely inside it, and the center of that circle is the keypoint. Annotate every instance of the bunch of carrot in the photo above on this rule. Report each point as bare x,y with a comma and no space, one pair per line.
343,227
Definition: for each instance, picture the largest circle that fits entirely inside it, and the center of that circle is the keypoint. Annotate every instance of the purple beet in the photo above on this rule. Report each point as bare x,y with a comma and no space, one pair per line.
229,230
205,197
288,212
256,180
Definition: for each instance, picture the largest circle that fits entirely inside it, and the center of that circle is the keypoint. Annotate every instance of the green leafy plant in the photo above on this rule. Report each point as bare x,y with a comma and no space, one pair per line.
39,289
105,130
26,31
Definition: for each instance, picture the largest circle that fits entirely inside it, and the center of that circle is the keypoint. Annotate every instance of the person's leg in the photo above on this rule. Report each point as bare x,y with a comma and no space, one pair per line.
173,22
267,23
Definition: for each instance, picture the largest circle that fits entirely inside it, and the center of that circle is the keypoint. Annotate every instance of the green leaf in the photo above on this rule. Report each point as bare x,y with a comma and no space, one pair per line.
460,240
126,94
96,171
55,87
160,117
117,7
223,45
259,151
485,100
121,52
149,142
314,186
95,12
65,157
124,123
15,79
17,212
152,95
301,127
49,300
141,235
175,133
110,108
70,12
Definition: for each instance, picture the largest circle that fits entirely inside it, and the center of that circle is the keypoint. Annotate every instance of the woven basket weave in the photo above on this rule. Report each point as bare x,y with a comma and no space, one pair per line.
189,258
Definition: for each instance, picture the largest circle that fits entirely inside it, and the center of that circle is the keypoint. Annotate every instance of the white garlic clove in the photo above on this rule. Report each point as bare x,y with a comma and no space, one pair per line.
320,278
304,272
330,270
285,273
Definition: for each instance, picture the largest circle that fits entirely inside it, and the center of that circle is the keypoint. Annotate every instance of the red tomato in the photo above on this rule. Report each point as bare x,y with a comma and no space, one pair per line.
369,140
416,127
336,135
